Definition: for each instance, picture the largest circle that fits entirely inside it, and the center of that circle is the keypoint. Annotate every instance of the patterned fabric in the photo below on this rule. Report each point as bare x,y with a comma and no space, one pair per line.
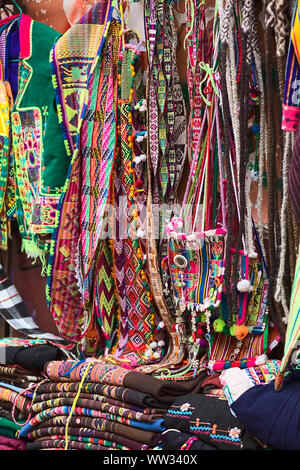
86,94
291,104
293,328
81,433
104,408
109,392
8,394
137,315
4,153
167,131
209,418
227,351
236,381
33,120
199,281
103,426
101,399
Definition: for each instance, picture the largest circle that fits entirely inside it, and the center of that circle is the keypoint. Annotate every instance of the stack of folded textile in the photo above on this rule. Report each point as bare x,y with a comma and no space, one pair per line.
21,369
207,420
94,405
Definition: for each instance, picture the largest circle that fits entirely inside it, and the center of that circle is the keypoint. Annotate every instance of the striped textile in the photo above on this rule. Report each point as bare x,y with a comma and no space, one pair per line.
291,104
294,178
293,328
14,311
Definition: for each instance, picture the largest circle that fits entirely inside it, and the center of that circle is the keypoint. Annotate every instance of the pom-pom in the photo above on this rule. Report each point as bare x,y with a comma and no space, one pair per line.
203,318
219,325
156,355
161,343
140,233
153,345
232,330
244,285
261,360
241,331
148,353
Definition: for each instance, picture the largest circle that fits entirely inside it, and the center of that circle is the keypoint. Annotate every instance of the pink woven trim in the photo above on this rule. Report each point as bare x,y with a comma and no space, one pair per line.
7,20
290,118
25,36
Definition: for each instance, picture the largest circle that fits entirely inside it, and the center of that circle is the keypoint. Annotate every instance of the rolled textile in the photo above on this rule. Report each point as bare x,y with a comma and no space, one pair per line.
163,390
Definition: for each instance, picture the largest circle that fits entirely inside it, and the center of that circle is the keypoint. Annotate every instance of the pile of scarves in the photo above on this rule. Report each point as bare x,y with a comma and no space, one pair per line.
21,369
92,405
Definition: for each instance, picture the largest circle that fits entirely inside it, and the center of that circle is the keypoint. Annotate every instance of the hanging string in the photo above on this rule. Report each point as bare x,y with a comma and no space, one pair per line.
90,363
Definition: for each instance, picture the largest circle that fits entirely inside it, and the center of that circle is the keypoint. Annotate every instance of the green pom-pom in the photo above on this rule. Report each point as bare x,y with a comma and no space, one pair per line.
219,325
232,330
203,318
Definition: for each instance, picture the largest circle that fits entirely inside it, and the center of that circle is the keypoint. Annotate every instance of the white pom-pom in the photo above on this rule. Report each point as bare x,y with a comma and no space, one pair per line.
244,285
259,360
153,345
161,324
192,237
140,233
156,355
143,157
161,343
148,353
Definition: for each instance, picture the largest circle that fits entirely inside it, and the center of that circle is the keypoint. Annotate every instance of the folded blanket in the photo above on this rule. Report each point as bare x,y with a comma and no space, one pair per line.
155,426
163,390
101,425
7,443
209,418
81,433
126,395
31,354
14,397
17,375
99,398
94,405
60,444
